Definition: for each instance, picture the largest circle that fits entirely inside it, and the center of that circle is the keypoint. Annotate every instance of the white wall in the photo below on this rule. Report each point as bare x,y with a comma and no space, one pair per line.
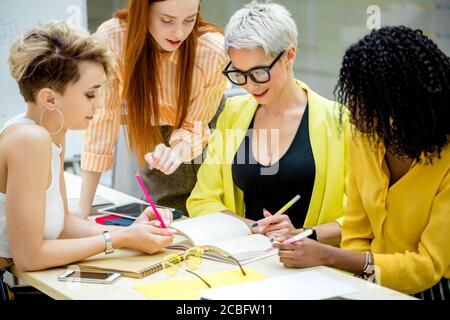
328,27
15,17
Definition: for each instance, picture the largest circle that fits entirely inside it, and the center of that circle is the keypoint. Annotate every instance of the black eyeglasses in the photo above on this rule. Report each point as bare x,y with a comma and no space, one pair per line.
257,74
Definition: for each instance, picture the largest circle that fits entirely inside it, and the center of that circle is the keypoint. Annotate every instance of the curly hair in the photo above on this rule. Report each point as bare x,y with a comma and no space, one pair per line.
395,83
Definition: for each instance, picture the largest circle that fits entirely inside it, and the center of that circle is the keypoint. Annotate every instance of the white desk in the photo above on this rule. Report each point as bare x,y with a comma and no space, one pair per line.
46,281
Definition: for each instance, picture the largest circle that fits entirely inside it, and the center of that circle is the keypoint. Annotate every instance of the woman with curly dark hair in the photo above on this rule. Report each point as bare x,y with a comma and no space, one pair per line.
395,83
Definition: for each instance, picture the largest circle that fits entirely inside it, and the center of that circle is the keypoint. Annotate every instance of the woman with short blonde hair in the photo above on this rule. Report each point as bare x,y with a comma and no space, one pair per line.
59,70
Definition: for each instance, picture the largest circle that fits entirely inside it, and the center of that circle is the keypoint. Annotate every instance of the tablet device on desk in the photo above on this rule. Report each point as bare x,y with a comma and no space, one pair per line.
134,209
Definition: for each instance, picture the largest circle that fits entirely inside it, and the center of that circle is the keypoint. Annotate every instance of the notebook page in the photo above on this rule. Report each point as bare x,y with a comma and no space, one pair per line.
246,247
211,228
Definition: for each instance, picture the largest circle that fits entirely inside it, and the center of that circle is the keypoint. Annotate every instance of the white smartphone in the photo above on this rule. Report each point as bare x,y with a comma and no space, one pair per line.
104,277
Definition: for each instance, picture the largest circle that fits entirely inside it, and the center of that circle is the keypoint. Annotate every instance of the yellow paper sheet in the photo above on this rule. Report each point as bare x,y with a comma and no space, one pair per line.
189,288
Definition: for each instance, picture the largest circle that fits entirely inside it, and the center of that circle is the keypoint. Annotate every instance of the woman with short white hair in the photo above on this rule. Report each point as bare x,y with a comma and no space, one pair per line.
280,140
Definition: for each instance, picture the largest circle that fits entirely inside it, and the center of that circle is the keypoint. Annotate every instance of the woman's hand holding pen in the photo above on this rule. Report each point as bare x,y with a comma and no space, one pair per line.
274,224
146,234
149,216
302,254
146,237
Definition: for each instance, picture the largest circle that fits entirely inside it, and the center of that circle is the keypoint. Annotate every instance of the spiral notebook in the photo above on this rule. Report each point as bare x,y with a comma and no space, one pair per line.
129,263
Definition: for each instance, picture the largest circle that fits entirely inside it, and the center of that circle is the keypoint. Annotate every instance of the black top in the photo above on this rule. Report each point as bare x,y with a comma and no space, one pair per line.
271,187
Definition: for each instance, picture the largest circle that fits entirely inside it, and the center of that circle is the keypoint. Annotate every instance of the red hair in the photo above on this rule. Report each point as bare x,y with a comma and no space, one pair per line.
141,76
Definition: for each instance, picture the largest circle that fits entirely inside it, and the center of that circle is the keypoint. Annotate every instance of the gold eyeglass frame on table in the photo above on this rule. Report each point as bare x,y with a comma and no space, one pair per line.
193,258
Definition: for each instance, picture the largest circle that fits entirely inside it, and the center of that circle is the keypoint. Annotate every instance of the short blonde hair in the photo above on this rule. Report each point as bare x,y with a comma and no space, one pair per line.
269,26
48,55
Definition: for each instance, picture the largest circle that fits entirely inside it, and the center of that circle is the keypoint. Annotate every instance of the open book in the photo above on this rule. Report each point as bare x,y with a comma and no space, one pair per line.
226,233
217,230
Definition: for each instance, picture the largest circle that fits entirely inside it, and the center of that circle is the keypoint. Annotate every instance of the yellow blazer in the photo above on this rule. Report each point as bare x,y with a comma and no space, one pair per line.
215,190
405,226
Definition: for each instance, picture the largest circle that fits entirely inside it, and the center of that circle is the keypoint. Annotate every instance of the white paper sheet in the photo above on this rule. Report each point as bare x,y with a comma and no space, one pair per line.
305,285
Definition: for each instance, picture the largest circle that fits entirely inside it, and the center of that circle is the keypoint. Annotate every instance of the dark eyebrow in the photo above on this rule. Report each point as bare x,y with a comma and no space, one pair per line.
255,67
172,17
95,87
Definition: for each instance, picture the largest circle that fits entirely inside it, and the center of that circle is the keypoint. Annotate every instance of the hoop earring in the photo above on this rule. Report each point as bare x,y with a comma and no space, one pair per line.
62,121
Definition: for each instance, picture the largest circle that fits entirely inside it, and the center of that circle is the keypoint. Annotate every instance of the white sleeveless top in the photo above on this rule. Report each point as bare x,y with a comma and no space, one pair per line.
54,205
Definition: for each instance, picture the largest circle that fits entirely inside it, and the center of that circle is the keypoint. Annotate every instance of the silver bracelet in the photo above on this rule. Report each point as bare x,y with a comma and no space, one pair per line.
108,242
368,262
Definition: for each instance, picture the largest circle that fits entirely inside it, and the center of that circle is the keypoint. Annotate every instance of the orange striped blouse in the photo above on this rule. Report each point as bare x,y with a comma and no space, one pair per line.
207,89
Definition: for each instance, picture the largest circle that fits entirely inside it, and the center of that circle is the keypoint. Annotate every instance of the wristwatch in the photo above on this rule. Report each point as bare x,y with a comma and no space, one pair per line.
313,235
108,240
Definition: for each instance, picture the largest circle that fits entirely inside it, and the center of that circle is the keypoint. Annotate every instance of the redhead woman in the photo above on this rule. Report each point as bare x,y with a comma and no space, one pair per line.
166,88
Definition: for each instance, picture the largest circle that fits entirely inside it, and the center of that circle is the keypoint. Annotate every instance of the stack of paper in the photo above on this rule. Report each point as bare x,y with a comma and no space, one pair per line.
305,285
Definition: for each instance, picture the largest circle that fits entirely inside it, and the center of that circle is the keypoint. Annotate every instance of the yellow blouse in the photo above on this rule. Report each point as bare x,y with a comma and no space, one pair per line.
215,189
406,226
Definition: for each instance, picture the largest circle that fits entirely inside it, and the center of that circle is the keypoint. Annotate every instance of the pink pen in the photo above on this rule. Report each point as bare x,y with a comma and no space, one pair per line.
299,237
150,200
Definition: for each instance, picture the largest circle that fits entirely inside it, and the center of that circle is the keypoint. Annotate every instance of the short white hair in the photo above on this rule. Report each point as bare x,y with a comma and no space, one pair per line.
268,25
